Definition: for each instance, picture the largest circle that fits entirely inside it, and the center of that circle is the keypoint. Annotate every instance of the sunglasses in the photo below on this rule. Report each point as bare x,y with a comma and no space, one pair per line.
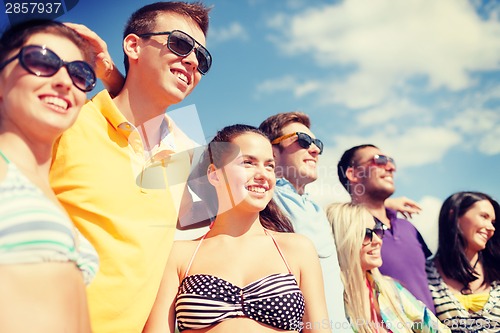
380,161
181,44
303,139
378,230
41,61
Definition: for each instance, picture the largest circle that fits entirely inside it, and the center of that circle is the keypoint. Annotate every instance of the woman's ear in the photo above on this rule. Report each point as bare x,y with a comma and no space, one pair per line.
213,175
131,46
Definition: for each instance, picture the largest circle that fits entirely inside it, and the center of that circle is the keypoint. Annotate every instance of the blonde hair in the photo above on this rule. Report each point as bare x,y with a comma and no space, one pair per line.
348,222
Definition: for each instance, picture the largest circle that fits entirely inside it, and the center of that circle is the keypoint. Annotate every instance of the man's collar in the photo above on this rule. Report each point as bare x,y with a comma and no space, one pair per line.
285,184
391,213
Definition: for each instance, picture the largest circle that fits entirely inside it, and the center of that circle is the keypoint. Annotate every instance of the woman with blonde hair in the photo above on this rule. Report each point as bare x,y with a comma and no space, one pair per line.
373,302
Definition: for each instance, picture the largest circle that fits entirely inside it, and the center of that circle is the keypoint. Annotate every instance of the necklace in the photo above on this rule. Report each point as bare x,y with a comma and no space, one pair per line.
466,289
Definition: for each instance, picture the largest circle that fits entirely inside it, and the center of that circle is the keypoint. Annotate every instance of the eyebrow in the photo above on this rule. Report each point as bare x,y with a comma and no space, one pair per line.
252,157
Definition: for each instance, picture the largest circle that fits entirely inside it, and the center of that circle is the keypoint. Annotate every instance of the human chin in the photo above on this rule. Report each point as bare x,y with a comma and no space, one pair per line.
369,264
370,259
309,173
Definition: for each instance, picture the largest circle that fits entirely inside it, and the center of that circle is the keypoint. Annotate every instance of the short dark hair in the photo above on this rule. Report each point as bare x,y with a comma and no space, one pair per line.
271,217
16,36
452,244
346,161
144,19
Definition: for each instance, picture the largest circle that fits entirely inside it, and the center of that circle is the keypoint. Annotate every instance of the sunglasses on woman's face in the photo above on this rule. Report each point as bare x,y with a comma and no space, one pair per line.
181,44
304,140
378,230
41,61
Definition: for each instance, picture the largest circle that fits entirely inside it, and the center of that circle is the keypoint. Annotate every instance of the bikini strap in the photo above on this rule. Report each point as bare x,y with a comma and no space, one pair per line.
194,254
4,157
279,250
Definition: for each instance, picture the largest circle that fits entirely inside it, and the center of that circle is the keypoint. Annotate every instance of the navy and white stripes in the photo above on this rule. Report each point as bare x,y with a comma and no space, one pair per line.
451,312
205,300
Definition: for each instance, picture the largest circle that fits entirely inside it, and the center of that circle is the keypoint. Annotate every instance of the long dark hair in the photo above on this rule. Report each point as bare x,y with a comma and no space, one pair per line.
452,244
271,217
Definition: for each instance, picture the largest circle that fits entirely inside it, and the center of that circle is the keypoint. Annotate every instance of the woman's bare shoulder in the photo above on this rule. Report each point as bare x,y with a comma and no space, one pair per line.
293,242
184,244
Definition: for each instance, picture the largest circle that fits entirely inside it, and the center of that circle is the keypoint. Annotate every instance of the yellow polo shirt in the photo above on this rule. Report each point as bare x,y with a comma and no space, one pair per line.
125,203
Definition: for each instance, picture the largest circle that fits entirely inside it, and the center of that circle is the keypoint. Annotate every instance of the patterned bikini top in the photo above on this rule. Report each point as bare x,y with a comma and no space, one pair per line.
204,300
34,230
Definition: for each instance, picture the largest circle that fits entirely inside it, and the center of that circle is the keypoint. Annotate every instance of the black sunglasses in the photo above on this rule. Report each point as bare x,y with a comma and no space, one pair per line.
181,44
380,160
303,139
41,61
378,230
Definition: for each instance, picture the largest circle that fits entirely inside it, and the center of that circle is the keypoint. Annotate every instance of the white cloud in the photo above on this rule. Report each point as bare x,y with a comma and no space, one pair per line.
427,221
277,21
481,128
475,121
278,84
306,88
359,90
391,111
234,31
411,147
287,83
389,42
490,143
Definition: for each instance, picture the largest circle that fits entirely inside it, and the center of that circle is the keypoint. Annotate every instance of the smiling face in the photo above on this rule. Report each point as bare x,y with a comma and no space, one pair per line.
169,77
298,165
370,256
370,180
247,181
35,107
477,225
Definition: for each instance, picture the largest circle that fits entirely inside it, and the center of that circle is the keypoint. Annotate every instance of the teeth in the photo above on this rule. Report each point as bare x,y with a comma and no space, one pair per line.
55,101
257,189
181,76
485,236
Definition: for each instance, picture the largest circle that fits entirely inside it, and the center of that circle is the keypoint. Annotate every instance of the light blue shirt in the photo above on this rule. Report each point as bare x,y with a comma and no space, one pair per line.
310,220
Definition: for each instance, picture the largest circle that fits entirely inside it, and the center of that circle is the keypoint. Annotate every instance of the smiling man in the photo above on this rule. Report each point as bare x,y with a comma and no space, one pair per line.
368,175
121,170
296,151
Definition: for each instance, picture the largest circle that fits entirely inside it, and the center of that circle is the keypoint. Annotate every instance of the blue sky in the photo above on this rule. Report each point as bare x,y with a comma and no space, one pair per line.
418,78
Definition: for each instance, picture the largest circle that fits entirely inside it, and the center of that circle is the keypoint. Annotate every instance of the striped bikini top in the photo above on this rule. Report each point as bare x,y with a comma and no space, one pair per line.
34,230
205,300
